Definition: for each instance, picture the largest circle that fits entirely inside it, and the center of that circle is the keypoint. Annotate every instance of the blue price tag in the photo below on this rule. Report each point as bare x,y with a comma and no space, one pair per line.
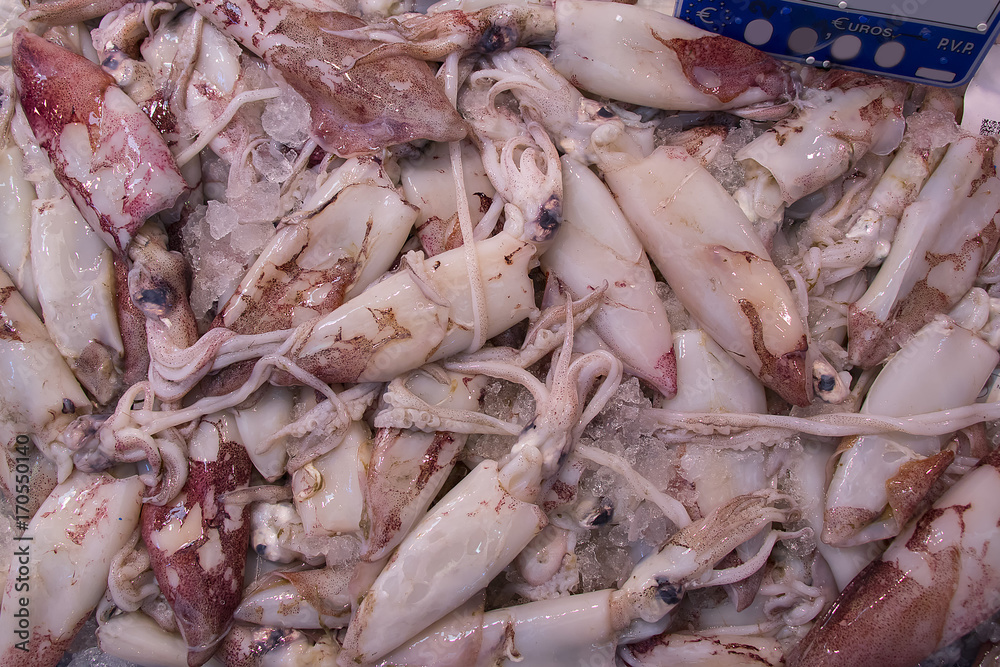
936,42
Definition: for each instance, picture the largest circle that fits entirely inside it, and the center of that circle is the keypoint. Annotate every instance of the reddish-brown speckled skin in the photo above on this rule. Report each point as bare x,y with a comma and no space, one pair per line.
7,329
666,378
44,651
203,601
58,87
908,489
872,341
355,110
737,66
786,374
389,495
881,618
368,113
132,324
886,618
42,475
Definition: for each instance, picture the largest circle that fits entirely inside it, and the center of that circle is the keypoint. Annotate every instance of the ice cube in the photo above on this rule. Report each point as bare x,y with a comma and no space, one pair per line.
286,118
271,163
251,237
221,219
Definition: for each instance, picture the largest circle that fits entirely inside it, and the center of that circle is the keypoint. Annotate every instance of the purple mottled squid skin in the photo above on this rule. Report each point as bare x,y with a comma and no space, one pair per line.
59,88
202,588
356,107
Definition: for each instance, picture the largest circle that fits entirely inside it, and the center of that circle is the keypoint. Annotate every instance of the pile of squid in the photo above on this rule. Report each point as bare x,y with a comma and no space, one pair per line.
337,333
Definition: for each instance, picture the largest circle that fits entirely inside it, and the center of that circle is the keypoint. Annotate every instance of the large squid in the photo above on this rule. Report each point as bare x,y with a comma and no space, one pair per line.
59,570
937,581
197,543
356,107
105,151
718,266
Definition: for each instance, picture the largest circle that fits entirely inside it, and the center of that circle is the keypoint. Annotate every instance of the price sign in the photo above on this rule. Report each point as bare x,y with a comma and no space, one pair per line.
937,42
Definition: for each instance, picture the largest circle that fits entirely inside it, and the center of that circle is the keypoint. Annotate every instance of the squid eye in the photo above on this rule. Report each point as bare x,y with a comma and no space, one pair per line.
605,112
497,38
668,592
154,297
548,219
826,383
112,62
602,514
155,301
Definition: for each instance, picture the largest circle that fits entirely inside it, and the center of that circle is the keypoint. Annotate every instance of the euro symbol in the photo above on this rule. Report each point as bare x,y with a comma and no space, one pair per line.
839,23
706,14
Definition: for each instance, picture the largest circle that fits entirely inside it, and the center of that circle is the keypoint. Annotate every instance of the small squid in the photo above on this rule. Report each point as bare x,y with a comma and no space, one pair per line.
878,480
596,245
40,394
842,116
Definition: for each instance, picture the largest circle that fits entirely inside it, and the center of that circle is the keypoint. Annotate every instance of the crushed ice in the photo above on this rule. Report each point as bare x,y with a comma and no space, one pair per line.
286,118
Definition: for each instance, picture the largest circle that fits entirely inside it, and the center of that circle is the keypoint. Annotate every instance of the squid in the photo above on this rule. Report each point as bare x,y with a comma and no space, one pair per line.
328,254
423,312
197,542
935,582
486,520
42,397
360,342
409,466
328,490
928,271
878,480
26,479
356,107
319,259
709,380
71,540
427,181
631,318
544,95
304,600
259,419
679,67
106,153
157,283
843,116
719,268
75,283
16,195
